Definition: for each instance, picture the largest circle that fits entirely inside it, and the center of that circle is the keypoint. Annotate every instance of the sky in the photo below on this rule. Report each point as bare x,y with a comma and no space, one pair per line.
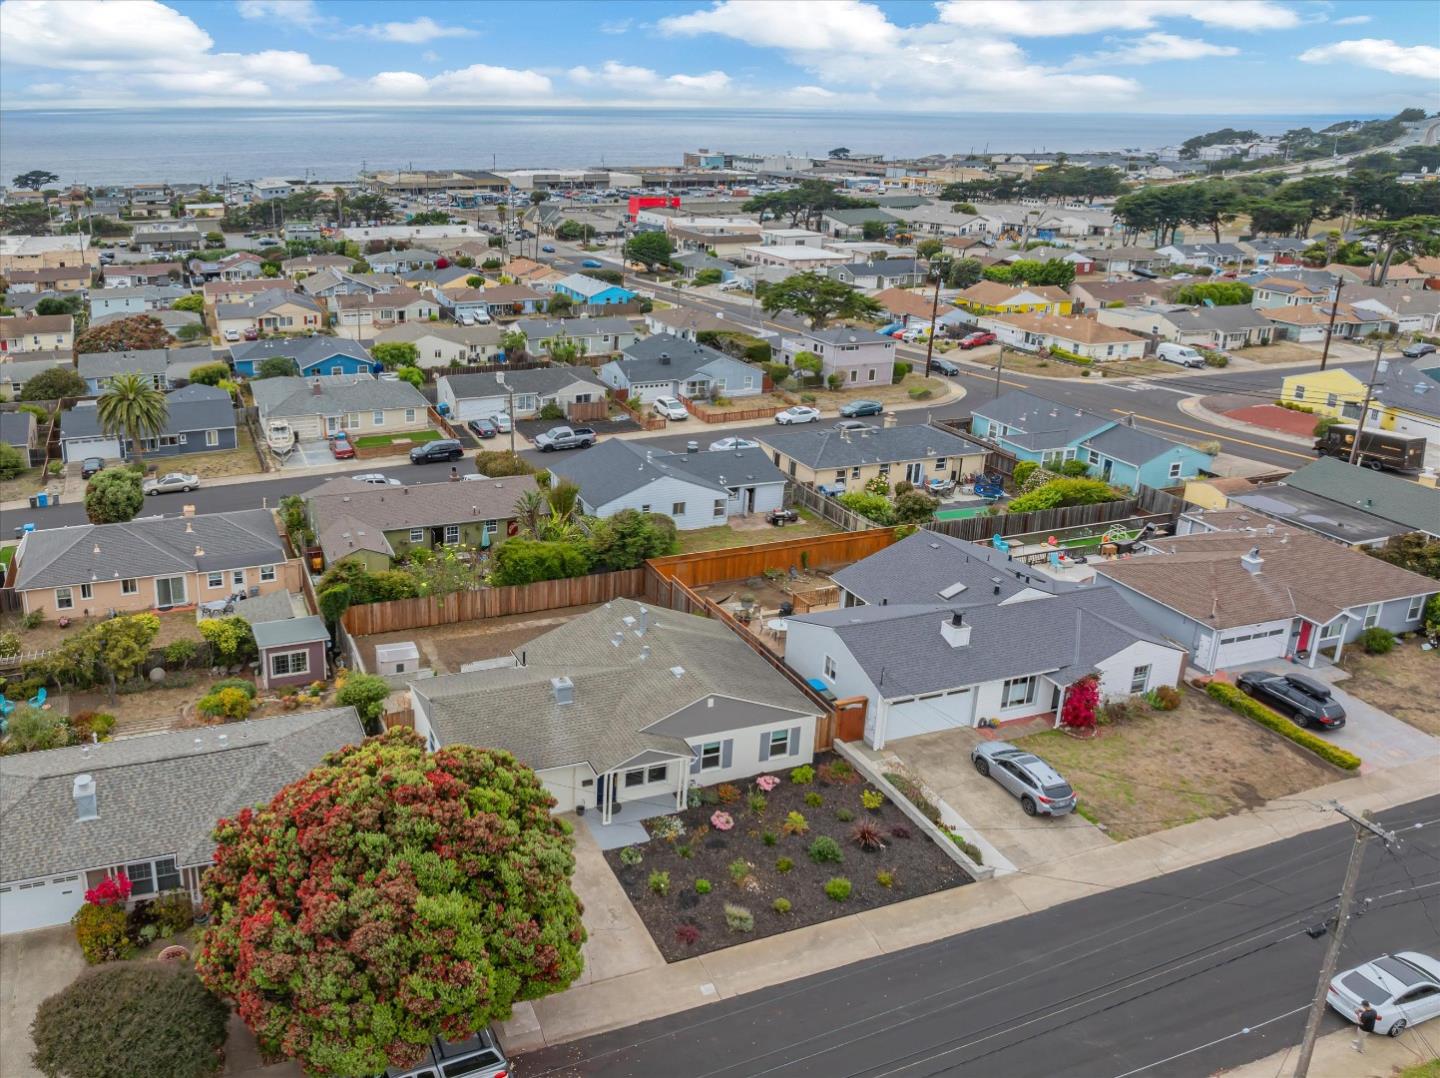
1246,57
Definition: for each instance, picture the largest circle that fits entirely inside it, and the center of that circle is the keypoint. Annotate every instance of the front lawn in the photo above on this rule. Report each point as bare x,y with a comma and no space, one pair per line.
1279,352
1402,683
7,555
827,399
23,484
1158,769
223,462
416,437
744,533
758,878
1024,363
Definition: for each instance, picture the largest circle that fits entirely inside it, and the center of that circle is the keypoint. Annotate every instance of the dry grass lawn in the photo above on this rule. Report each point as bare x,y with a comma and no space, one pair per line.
445,648
751,531
1024,363
175,625
1161,769
22,486
827,399
238,461
1136,366
1406,683
1280,352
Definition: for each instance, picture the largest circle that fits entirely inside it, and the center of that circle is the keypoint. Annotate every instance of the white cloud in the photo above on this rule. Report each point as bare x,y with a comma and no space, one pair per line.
1063,18
415,32
837,24
1154,48
642,80
400,84
616,26
1417,61
297,12
86,35
1351,20
484,81
430,56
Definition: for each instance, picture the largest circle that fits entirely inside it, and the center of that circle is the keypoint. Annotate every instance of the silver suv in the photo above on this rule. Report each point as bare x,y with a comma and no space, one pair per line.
477,1057
1041,789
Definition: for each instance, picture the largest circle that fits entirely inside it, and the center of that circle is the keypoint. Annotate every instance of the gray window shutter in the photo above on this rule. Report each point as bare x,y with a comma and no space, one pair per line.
695,762
727,748
764,746
794,740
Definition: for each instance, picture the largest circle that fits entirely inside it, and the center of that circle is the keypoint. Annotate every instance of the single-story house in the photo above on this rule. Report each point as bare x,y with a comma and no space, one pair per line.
333,281
688,323
219,292
152,563
311,355
882,273
305,265
861,357
1080,336
19,430
843,224
589,290
698,261
1311,323
1288,292
133,274
793,258
696,490
37,333
362,315
506,301
444,344
626,704
241,266
596,336
62,279
925,667
1122,259
153,240
1215,256
275,311
1140,292
401,260
166,367
142,807
670,366
824,457
198,419
907,306
1243,593
373,525
1274,250
1356,506
1208,327
993,297
521,393
14,374
316,408
1407,310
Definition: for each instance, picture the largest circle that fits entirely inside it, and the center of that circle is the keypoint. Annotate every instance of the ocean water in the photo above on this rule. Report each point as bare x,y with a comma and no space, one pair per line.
205,145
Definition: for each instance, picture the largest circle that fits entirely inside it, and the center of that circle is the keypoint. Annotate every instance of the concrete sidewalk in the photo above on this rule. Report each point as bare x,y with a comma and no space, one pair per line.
1334,1057
611,1003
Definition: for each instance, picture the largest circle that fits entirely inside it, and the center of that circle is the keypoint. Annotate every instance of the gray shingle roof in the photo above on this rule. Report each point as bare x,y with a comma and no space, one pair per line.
157,795
827,448
303,350
277,397
845,335
1409,389
56,557
614,468
1387,496
263,302
541,380
193,407
1232,318
1037,423
306,630
730,468
885,267
622,700
1129,444
537,329
154,361
16,428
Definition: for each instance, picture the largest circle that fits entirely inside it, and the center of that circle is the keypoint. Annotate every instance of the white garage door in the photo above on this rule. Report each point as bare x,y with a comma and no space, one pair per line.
79,448
40,904
467,408
1239,646
929,713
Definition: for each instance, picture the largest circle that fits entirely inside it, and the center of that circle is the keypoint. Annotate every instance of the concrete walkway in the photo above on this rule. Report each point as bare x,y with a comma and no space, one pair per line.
605,1003
1334,1057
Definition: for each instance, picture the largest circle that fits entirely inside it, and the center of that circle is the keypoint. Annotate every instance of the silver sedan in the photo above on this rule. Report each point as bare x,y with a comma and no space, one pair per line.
171,483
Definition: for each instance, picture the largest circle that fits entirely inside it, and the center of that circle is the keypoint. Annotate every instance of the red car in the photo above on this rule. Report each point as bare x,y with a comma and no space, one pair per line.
341,448
975,340
251,334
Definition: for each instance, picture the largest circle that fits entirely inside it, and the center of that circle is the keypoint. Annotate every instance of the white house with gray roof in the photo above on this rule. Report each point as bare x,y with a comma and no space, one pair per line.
521,393
165,367
360,404
627,704
596,336
669,366
143,806
861,357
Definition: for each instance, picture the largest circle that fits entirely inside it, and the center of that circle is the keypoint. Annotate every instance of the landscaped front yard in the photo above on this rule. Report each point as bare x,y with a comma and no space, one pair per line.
755,864
748,531
174,625
1404,683
1023,363
826,399
412,437
1158,769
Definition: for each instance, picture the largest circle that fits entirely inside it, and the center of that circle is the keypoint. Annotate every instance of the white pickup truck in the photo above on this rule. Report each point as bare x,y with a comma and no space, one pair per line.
564,438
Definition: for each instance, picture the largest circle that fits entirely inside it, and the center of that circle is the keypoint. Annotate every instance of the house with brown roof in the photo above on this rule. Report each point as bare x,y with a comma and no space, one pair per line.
1244,589
1093,295
1079,336
363,315
903,305
1311,322
49,279
217,292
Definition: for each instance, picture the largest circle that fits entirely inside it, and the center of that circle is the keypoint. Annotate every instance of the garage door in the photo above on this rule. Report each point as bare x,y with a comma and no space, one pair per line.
40,904
79,448
1246,646
929,713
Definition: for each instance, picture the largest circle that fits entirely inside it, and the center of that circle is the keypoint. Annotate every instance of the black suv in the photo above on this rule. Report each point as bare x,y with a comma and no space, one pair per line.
434,452
1308,702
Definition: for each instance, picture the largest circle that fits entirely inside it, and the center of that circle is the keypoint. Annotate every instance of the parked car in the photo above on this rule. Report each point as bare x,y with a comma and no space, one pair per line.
724,445
853,424
1418,349
501,421
976,339
781,517
377,479
482,428
340,447
1404,989
90,466
1041,789
438,450
944,366
798,413
1303,699
861,407
917,333
670,408
549,249
1179,354
564,438
171,483
232,335
591,263
251,334
479,1056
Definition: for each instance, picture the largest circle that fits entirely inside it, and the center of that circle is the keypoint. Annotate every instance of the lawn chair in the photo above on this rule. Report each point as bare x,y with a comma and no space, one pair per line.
38,700
999,543
6,706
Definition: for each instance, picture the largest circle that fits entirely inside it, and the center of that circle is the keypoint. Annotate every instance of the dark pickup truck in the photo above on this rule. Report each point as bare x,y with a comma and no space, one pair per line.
565,438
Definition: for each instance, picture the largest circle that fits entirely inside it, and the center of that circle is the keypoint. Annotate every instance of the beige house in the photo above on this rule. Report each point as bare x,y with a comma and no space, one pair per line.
270,312
46,252
316,408
52,279
218,292
20,334
443,344
152,564
1079,336
361,317
917,453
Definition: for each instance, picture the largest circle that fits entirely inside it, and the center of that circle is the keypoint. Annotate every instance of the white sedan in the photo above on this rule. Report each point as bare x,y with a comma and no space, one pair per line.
174,482
670,408
376,479
1403,988
724,445
799,413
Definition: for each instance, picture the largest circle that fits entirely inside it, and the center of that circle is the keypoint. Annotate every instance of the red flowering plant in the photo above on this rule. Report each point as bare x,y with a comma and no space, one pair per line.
111,891
390,896
1081,702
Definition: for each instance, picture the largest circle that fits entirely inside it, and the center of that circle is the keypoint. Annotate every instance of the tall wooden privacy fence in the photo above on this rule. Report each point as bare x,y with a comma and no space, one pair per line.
821,552
1145,502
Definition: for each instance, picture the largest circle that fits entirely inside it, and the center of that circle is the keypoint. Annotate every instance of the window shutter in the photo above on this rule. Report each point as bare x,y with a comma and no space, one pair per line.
794,740
764,746
727,748
695,762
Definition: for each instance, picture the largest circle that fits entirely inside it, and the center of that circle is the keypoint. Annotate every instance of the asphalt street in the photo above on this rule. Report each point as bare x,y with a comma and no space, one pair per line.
1181,975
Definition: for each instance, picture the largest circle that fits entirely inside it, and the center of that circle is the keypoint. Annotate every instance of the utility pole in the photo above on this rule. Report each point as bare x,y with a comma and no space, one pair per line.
1364,828
934,314
1365,406
999,366
1330,329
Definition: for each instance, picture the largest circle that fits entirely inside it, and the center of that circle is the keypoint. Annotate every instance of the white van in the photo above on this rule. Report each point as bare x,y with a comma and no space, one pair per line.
1180,354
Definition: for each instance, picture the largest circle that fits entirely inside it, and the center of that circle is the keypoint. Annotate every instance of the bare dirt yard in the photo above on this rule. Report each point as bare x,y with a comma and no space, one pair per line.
445,648
1406,683
174,625
1156,770
753,529
1280,352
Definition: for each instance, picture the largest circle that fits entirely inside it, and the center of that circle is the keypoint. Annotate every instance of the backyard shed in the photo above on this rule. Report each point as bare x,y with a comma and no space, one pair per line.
402,658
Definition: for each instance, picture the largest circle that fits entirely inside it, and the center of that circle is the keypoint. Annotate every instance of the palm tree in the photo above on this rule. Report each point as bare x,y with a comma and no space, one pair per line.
131,407
339,194
530,513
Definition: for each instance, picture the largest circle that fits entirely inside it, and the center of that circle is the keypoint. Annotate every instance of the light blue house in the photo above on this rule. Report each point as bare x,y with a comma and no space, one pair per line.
312,355
583,289
1049,433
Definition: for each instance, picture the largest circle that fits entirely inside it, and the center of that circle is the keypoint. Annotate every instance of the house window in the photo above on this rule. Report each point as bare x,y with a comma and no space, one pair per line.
871,376
167,876
215,580
64,599
377,418
286,663
645,508
1417,604
677,509
86,592
491,527
939,463
840,476
779,743
1372,615
710,756
1299,393
409,415
1094,456
452,534
884,470
1334,629
237,577
829,668
130,586
1331,399
854,473
854,376
635,778
719,507
417,535
1175,470
1018,691
1140,679
212,438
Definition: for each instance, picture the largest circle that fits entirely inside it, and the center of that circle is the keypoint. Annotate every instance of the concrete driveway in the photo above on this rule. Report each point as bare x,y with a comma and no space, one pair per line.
942,761
33,966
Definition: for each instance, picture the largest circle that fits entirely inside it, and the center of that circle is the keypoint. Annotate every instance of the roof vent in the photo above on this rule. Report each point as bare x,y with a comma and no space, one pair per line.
645,653
199,744
87,806
709,701
678,671
563,690
952,591
1251,561
955,631
617,639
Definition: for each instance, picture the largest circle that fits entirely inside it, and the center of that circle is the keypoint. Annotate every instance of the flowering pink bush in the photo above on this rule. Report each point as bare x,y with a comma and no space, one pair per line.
767,782
113,891
721,821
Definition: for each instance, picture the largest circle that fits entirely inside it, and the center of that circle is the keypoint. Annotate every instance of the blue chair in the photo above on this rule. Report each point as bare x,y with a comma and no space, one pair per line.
38,700
5,707
1054,559
999,543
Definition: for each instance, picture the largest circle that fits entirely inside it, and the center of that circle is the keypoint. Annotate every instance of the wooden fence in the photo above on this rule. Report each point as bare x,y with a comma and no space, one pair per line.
1147,502
710,413
829,508
435,373
740,563
398,614
587,411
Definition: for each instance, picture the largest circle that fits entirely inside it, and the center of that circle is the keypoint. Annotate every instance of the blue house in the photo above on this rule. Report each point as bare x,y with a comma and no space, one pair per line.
312,355
198,419
1049,433
583,289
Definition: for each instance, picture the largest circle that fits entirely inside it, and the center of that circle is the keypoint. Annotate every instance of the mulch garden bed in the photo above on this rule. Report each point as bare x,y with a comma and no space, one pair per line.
743,868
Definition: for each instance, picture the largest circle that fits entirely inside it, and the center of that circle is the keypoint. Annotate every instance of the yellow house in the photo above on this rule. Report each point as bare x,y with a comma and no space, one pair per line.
1336,393
992,297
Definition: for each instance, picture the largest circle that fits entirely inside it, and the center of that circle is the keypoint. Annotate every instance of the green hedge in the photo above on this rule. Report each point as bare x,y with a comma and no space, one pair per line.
1237,701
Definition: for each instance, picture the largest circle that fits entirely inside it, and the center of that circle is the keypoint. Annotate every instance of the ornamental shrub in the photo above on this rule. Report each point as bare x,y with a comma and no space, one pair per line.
756,802
631,856
702,887
1237,701
1377,641
687,934
885,879
1081,702
814,800
825,849
245,685
1059,493
837,889
173,912
844,815
1022,472
151,1018
739,919
739,869
867,836
366,693
795,824
1163,698
968,848
101,932
231,703
769,838
659,883
784,865
727,793
802,775
872,799
459,846
838,772
781,905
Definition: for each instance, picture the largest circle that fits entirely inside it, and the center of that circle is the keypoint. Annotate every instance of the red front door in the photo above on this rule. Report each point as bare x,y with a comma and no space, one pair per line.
1305,629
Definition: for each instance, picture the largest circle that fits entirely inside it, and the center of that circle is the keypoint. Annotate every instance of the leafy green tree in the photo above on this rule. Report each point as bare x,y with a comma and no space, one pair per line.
230,638
872,231
524,561
652,249
1053,271
1059,493
629,538
1219,293
560,305
12,461
929,248
334,601
485,900
366,693
194,302
209,374
277,367
708,277
810,363
565,349
35,179
122,645
1418,234
514,344
817,298
396,354
572,231
133,334
131,407
496,463
964,272
71,305
113,496
413,375
915,507
874,507
97,226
